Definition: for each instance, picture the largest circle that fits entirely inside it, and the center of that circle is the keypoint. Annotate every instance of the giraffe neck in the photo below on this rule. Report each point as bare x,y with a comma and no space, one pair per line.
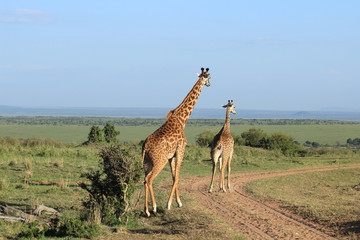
227,120
183,111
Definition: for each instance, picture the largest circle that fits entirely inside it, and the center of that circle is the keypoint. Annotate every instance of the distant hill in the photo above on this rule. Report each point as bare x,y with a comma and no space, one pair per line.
198,113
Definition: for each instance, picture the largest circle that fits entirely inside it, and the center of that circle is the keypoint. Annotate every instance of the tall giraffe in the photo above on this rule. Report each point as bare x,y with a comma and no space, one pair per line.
167,144
222,149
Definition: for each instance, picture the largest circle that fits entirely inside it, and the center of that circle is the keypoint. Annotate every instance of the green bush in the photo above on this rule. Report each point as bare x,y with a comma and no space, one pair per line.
33,230
113,184
238,140
110,133
95,135
72,227
254,137
205,138
196,153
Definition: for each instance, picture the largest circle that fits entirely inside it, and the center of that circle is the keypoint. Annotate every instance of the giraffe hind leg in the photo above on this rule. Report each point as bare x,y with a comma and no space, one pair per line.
215,156
147,169
222,175
146,206
177,165
172,163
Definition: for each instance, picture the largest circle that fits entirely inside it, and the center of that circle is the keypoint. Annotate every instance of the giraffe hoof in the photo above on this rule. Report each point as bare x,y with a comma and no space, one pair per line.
147,213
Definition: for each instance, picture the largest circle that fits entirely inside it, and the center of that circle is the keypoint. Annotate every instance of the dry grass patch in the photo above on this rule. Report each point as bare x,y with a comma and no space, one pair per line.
330,197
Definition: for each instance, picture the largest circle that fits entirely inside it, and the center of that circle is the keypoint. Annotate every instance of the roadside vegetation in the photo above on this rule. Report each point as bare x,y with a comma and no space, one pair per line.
86,181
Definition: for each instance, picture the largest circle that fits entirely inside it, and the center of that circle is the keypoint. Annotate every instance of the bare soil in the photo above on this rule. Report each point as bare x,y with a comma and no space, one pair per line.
258,219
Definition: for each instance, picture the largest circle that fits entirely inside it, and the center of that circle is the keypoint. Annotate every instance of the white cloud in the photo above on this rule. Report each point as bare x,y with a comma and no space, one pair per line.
24,16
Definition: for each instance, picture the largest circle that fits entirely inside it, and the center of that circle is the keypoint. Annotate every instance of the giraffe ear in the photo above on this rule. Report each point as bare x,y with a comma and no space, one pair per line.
198,74
225,106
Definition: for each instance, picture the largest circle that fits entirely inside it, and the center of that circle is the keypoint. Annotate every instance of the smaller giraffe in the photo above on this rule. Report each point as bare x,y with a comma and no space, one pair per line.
222,149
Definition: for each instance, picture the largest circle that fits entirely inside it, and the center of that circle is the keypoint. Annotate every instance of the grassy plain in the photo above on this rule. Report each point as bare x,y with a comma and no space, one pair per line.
323,134
46,172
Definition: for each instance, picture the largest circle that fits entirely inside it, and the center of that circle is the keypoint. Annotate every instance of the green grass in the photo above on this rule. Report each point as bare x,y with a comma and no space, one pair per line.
331,197
323,134
46,172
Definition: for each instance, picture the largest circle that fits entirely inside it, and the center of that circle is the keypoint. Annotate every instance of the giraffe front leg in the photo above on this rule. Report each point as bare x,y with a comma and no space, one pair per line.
229,172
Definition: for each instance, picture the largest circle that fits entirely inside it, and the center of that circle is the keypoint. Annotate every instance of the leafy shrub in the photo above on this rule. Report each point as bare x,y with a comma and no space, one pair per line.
282,142
33,230
205,138
113,184
67,227
95,135
276,141
254,137
196,153
110,133
72,227
238,140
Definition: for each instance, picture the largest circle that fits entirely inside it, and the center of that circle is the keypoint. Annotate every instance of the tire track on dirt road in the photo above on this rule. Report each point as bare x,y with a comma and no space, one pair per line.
253,218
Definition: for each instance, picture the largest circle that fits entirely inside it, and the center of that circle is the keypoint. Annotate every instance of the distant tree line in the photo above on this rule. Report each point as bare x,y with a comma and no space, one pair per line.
101,121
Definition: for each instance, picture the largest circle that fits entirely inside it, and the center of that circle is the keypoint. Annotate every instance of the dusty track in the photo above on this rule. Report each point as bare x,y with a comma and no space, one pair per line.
253,218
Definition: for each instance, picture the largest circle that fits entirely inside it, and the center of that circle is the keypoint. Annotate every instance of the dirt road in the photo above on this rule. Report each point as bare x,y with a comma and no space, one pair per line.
253,218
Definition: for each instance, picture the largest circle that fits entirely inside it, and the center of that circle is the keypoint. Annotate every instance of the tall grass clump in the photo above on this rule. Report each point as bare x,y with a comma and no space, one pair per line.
28,164
112,185
13,162
3,184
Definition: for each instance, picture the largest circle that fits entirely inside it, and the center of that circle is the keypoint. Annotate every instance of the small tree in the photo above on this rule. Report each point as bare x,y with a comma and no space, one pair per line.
112,185
95,135
110,133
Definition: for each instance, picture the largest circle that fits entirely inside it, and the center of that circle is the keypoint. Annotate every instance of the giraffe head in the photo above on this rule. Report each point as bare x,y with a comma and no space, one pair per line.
205,76
231,106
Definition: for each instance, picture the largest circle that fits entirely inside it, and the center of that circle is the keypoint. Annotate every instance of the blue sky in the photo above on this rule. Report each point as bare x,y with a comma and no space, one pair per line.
268,55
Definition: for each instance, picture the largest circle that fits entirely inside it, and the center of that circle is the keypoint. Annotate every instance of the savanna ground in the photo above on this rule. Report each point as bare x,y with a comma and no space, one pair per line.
273,197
